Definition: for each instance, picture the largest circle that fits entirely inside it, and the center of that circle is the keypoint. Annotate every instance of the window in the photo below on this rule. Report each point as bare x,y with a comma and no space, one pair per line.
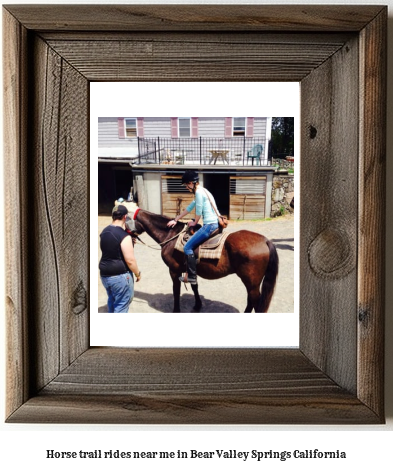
239,126
184,127
130,126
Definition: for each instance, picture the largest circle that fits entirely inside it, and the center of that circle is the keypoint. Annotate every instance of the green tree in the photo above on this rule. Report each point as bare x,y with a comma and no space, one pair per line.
282,142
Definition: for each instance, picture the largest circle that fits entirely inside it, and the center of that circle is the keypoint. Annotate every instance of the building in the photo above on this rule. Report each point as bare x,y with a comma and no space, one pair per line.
149,155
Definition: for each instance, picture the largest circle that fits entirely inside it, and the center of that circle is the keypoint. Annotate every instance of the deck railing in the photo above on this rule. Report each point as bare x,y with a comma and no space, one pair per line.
236,151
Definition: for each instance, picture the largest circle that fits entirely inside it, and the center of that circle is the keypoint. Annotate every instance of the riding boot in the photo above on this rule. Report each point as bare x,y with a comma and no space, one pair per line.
191,276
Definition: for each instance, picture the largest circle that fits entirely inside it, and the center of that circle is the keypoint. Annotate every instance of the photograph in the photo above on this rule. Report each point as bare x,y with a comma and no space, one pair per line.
177,174
173,177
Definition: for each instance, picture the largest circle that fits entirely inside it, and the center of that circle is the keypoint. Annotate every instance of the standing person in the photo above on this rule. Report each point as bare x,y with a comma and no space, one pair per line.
118,262
203,208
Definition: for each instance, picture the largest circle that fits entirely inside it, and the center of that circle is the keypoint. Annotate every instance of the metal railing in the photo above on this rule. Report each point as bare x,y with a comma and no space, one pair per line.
238,151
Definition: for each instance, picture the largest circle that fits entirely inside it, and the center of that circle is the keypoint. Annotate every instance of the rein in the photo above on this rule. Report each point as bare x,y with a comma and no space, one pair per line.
161,243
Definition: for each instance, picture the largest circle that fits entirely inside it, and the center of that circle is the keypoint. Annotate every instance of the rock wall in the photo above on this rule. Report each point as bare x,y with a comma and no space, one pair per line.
282,193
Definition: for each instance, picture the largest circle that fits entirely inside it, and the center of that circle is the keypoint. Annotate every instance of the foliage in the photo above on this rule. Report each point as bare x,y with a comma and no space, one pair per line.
282,141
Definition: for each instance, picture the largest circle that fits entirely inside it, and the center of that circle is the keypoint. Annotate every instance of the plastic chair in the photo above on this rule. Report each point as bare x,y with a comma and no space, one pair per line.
255,153
180,157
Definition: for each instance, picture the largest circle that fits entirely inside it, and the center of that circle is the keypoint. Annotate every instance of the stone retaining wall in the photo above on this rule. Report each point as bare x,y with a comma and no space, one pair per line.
282,193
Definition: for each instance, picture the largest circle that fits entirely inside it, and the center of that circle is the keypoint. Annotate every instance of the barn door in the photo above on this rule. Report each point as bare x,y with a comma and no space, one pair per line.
174,197
247,197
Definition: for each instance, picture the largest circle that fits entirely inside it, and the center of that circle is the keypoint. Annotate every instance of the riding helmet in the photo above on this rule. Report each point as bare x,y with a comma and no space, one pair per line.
190,177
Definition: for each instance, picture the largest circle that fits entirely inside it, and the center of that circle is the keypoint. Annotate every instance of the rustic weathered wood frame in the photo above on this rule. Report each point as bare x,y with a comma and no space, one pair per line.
338,53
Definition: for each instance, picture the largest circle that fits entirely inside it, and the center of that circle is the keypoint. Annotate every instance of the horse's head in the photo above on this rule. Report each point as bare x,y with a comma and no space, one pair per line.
155,225
135,227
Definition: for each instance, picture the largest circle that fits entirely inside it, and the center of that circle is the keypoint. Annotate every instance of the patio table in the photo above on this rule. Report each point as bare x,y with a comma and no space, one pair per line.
219,154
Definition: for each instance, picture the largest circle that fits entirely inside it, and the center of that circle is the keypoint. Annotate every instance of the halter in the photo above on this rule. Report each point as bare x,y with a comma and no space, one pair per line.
134,234
136,212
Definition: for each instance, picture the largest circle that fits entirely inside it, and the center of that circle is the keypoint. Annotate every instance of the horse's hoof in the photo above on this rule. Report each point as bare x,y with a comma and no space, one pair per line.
197,307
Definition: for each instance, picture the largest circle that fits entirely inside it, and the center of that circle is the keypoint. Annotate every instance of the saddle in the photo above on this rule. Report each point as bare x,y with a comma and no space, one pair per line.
211,248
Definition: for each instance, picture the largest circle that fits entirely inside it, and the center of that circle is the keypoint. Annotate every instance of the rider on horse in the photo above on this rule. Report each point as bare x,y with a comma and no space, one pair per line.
202,203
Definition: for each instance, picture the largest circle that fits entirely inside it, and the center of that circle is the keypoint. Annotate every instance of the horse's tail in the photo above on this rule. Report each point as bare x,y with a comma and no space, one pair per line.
269,281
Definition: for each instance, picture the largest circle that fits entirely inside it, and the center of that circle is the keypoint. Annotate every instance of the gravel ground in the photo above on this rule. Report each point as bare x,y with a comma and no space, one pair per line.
153,294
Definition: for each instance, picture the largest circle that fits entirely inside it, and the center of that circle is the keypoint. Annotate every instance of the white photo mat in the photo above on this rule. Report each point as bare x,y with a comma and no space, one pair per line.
179,99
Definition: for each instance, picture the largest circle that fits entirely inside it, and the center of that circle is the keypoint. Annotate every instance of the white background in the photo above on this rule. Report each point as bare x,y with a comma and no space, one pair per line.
23,447
207,100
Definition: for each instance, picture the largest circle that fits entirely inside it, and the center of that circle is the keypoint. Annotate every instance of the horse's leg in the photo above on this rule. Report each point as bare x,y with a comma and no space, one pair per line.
251,274
176,291
260,281
252,281
198,301
252,298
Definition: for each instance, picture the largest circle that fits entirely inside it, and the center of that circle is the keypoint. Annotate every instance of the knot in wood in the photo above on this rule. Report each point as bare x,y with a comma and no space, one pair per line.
313,132
79,299
330,254
364,316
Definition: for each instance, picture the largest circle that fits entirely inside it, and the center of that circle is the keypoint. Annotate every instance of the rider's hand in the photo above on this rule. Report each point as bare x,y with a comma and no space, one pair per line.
138,278
191,223
172,223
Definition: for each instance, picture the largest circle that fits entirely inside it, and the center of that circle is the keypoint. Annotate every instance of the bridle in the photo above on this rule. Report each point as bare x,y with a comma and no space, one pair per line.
135,234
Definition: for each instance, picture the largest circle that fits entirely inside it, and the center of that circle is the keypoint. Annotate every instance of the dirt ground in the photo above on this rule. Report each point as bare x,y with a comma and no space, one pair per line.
153,294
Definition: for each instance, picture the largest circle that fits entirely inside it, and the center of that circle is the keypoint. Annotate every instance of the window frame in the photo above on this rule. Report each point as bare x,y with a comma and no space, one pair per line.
182,128
243,134
126,128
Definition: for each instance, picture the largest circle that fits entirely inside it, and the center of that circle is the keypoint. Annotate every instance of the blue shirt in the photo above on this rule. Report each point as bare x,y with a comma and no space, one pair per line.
203,207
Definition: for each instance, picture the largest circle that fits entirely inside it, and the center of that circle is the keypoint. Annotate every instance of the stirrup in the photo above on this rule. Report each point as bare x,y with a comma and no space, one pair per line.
184,279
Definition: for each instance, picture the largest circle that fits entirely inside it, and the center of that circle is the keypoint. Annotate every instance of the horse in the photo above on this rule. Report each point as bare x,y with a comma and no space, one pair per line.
250,255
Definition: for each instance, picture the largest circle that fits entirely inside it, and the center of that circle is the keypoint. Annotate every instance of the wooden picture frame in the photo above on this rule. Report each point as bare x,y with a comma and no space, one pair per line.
338,54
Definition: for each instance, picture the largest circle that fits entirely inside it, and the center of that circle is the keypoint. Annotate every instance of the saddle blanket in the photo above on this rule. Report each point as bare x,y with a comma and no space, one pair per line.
211,248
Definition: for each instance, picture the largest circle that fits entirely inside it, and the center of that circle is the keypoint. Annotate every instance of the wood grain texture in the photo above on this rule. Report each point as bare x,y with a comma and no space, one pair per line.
198,18
15,172
173,204
156,409
59,212
371,232
193,386
218,58
328,248
335,376
243,206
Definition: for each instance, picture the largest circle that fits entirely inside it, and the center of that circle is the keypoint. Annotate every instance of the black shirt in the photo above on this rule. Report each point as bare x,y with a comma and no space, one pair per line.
112,260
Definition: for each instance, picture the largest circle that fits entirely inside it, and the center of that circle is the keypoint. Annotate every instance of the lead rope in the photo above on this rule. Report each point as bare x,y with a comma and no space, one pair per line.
162,243
165,241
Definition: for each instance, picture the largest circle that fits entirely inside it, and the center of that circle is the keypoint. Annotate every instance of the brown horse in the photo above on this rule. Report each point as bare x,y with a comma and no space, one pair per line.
250,255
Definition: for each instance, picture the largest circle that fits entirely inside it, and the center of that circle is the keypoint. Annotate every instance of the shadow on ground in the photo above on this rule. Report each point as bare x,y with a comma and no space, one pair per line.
283,246
164,303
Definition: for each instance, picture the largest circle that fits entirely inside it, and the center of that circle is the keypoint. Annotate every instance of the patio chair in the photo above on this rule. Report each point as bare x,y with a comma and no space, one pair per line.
255,153
180,157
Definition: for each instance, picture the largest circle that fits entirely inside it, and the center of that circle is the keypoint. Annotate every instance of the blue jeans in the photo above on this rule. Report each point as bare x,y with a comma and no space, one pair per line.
120,290
200,236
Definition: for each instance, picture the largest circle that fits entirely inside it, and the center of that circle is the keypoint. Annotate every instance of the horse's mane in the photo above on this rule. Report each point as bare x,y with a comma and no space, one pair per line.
161,221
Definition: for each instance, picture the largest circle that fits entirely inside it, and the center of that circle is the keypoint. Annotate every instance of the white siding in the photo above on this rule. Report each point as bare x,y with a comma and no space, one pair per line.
260,127
157,127
213,127
108,134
